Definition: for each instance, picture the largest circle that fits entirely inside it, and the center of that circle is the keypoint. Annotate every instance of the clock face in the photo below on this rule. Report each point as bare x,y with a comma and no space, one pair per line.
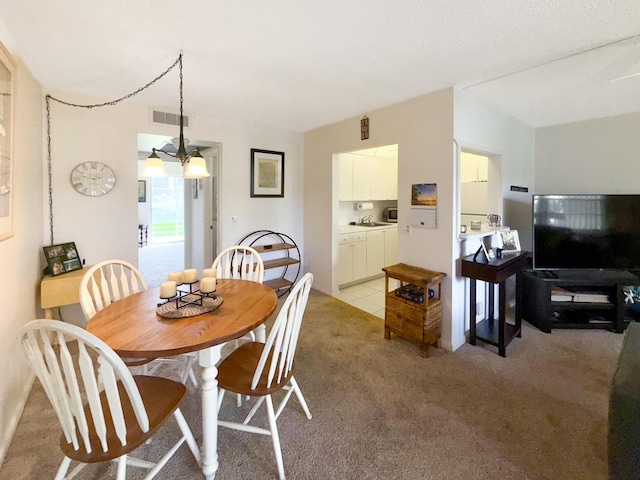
93,179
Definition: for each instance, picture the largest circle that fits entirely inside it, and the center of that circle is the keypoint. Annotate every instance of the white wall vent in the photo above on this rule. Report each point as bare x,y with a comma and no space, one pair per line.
166,118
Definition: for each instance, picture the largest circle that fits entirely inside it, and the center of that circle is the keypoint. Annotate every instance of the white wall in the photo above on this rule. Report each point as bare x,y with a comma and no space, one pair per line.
423,129
107,226
481,127
594,156
20,254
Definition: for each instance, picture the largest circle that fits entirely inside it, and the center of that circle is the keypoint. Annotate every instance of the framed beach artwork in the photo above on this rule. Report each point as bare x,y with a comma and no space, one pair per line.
424,202
6,143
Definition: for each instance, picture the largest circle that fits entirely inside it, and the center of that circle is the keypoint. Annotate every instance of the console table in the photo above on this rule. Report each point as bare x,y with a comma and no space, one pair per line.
60,290
495,271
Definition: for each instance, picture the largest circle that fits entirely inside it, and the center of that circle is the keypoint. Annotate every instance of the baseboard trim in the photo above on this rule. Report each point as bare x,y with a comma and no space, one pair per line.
7,436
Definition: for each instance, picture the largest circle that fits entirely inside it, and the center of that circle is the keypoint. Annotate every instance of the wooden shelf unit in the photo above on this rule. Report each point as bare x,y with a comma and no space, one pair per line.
418,323
286,257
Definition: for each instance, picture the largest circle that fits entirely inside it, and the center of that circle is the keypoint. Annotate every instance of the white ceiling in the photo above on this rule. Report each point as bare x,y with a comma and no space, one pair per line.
301,64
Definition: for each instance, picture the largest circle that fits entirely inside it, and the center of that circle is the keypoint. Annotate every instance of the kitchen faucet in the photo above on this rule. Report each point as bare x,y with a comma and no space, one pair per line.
367,219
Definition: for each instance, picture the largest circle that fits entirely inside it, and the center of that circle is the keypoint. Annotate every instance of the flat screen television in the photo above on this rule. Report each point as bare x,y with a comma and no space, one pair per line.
598,232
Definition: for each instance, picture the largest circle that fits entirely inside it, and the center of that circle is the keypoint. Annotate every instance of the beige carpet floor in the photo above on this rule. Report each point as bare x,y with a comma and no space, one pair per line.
380,411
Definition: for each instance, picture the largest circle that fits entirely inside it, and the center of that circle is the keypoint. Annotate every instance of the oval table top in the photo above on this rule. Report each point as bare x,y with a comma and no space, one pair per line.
132,327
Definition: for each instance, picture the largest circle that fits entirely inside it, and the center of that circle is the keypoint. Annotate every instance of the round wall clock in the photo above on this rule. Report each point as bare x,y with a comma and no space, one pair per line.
93,179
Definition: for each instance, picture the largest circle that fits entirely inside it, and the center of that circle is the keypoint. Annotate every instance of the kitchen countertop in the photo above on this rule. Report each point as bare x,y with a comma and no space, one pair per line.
358,228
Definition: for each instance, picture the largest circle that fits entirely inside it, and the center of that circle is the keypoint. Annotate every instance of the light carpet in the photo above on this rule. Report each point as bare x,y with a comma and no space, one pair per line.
382,411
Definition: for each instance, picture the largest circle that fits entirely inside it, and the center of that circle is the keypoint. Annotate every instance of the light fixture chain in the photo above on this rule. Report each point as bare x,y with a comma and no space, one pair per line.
180,60
105,104
115,102
49,170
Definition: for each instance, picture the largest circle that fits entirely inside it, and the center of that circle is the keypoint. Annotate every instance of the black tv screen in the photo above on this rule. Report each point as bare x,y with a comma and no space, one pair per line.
586,232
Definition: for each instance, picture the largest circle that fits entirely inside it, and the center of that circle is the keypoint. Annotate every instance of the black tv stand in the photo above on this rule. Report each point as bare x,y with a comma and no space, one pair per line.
603,308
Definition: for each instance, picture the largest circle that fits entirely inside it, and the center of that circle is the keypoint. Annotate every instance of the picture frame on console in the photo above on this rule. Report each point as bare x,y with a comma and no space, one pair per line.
510,241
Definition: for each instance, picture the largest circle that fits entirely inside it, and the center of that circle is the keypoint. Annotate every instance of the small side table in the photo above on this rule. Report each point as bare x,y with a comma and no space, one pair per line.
495,271
417,322
60,290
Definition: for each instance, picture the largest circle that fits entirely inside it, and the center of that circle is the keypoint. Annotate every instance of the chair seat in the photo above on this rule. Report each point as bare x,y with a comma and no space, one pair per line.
136,362
235,373
161,397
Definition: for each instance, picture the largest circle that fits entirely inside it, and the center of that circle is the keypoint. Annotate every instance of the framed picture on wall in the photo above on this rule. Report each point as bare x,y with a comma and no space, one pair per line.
142,190
267,173
6,143
62,258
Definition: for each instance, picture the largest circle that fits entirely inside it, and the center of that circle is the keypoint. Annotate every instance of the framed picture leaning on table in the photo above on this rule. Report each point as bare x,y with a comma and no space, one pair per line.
62,258
510,241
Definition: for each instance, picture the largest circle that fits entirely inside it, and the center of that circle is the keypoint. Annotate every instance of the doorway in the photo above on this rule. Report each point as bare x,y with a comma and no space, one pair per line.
161,227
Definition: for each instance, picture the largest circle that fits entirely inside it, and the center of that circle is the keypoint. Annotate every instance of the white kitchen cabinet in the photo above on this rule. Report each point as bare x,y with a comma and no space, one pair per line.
382,250
367,178
474,168
379,180
361,178
390,246
375,252
345,180
352,257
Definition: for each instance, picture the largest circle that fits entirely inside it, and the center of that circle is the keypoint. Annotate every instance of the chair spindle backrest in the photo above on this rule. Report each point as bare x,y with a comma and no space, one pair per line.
75,366
281,344
107,282
239,262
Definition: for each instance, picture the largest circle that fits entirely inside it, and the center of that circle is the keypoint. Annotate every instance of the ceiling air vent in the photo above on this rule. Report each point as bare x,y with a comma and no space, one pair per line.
166,118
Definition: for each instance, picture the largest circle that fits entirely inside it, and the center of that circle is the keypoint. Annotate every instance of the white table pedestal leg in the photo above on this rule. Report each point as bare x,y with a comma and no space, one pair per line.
208,359
261,334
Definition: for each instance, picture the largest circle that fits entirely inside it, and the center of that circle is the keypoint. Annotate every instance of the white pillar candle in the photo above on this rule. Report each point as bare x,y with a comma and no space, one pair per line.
208,284
168,289
190,275
176,277
208,272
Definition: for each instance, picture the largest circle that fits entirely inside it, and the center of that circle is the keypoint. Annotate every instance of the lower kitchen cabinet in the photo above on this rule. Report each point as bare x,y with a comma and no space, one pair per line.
391,246
375,252
352,257
362,255
382,250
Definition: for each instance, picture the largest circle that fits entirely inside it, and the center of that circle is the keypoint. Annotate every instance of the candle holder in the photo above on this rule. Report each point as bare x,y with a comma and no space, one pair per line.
184,298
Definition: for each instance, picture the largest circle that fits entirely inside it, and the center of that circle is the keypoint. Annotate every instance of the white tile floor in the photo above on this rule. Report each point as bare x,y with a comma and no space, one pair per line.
367,296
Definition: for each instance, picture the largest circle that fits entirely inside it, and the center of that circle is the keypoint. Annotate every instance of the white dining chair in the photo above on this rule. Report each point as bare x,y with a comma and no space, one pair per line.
239,262
243,263
105,412
112,280
261,369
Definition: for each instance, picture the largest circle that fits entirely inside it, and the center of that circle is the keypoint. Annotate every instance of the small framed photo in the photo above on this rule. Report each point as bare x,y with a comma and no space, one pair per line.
142,191
62,258
267,173
510,241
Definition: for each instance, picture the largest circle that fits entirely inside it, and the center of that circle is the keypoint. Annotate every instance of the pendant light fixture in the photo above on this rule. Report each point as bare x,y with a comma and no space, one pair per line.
193,162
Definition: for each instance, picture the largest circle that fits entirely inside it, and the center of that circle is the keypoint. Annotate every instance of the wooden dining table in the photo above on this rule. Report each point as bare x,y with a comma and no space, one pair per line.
132,328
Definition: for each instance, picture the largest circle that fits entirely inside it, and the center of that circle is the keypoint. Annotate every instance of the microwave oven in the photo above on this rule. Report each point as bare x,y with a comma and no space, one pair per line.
391,214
